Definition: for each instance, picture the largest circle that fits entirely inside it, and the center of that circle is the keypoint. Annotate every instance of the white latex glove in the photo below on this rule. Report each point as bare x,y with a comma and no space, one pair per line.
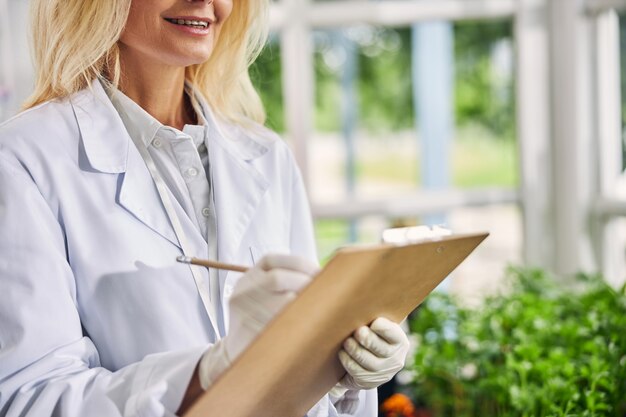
372,356
258,297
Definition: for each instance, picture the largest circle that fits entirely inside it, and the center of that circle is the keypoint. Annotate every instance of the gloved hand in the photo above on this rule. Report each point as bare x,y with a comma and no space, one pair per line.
261,293
372,356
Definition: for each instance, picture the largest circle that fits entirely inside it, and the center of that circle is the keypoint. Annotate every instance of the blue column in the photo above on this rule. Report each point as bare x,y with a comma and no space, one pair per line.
433,80
349,115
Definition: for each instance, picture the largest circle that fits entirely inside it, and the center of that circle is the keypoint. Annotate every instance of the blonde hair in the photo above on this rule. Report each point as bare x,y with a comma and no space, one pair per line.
74,42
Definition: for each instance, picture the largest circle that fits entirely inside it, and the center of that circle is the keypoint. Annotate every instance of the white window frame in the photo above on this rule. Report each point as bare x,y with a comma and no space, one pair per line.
568,118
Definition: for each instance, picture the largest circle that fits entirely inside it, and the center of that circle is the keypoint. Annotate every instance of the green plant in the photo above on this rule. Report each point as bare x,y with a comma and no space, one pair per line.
543,349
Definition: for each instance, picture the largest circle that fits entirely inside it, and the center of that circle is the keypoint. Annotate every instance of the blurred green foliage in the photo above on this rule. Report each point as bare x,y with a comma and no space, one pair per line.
543,350
266,74
483,95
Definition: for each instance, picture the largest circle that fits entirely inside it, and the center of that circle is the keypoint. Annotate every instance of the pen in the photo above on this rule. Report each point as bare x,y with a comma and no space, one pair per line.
210,264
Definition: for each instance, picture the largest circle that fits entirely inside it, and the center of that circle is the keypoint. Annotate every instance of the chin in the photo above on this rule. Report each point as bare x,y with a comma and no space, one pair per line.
196,54
187,59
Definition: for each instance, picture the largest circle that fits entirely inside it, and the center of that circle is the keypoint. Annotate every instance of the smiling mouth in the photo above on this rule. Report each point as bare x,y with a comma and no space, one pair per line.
190,23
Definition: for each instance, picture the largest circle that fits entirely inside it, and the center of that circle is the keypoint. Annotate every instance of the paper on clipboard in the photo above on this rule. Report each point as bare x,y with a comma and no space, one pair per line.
294,363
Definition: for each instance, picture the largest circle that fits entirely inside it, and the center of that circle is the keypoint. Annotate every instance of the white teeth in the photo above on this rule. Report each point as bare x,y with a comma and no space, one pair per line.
193,23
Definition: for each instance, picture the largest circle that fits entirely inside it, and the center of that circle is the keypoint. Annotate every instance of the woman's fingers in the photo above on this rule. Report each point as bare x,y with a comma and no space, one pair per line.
364,357
290,262
374,343
389,331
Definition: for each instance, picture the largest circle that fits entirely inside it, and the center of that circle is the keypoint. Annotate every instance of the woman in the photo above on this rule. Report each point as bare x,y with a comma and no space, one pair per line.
144,141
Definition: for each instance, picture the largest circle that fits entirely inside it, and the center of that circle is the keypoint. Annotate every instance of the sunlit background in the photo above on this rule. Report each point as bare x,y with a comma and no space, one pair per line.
483,115
407,125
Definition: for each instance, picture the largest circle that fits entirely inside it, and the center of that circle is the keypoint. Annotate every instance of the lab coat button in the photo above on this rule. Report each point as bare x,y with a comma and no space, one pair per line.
192,172
157,143
206,212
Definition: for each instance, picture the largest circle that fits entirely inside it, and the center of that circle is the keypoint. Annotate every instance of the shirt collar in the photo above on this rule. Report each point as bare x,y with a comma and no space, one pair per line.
142,125
246,144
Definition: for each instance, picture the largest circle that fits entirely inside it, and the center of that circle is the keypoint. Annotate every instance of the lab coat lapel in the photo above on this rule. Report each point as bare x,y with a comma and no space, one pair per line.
139,196
109,149
238,187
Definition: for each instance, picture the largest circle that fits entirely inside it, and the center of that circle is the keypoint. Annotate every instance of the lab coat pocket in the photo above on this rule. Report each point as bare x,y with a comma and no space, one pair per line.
257,252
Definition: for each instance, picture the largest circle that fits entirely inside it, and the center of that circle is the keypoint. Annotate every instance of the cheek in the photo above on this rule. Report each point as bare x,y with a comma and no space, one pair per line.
137,29
143,32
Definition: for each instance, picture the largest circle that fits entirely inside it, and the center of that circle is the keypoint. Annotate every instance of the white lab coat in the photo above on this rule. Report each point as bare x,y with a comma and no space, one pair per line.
96,316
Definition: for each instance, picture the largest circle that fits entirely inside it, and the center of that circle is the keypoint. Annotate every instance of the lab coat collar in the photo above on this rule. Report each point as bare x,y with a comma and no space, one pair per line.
243,143
239,186
109,149
106,141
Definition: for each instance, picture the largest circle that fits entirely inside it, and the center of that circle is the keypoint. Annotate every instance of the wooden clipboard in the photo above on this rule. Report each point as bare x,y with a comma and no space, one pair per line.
293,363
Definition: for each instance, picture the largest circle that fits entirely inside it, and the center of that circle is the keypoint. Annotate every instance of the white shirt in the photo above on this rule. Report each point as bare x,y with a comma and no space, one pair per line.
183,162
180,156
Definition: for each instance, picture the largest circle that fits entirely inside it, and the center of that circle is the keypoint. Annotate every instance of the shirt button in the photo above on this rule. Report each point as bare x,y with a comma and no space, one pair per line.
192,172
206,212
157,143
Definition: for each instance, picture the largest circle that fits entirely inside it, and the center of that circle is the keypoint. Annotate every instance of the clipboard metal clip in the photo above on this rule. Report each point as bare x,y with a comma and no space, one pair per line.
416,234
